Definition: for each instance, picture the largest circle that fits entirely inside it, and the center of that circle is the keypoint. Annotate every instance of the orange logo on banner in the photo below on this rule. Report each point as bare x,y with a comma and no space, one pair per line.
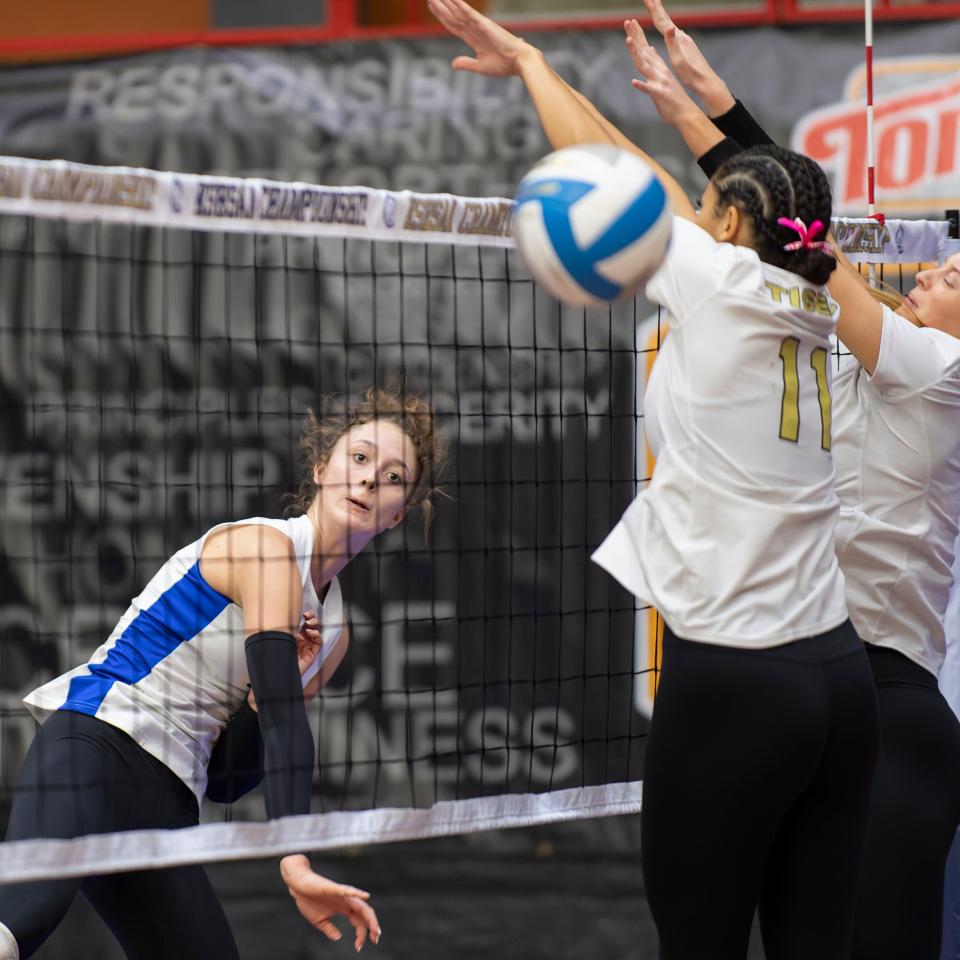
915,129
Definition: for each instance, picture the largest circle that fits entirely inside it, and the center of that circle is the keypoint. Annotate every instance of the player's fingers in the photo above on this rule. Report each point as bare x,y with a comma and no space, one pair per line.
458,13
636,53
470,64
363,914
655,62
646,60
345,890
329,929
439,9
635,33
360,937
463,9
659,16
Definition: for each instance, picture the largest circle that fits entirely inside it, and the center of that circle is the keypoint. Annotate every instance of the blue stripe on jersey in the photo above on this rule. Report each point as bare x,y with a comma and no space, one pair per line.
177,616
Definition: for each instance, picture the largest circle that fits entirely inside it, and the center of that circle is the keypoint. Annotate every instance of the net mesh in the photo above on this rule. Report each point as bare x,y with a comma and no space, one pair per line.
161,338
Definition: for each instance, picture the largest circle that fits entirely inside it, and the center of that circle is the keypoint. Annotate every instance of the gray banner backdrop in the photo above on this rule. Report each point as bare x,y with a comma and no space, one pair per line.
395,115
153,382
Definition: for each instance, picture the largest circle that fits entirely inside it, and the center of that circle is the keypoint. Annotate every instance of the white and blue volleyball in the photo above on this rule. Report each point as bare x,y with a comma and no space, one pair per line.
592,223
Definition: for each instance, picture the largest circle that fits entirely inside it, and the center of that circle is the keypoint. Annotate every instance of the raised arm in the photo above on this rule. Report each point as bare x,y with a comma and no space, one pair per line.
671,100
860,324
567,116
696,74
691,66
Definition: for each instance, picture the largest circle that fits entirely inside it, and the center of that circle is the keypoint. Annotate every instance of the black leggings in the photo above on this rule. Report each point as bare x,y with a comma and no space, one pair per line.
914,812
755,793
82,776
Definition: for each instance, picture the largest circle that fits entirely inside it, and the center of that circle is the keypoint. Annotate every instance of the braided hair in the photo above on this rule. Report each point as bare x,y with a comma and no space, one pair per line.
767,182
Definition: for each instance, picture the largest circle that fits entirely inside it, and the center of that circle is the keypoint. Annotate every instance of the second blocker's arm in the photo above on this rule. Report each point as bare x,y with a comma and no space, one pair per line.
567,116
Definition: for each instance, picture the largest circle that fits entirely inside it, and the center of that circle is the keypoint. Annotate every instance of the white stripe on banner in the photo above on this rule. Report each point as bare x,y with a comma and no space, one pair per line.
74,191
148,849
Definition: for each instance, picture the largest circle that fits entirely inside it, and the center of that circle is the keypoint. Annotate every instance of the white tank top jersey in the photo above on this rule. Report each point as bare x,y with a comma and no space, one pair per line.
733,538
897,447
174,668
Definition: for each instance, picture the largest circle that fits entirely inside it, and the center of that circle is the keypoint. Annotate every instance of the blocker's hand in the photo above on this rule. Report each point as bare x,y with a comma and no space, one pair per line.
319,900
497,52
659,83
691,66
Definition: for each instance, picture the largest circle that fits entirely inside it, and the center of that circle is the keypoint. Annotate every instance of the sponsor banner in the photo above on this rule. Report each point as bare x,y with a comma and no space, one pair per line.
865,240
394,116
77,191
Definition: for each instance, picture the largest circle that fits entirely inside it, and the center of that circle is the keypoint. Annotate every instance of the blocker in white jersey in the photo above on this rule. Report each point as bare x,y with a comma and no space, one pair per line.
898,477
732,541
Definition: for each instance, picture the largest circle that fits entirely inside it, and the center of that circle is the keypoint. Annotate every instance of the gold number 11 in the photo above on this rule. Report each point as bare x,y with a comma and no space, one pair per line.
790,405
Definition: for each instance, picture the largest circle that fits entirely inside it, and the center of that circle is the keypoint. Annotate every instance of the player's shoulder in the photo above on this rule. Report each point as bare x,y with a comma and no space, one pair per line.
948,347
705,269
253,539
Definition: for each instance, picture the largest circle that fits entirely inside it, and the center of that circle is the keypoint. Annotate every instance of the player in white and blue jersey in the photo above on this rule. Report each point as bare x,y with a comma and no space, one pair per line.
224,637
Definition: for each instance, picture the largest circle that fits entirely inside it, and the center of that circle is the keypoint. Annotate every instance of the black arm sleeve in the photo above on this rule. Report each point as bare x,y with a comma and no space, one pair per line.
711,160
236,764
740,130
739,124
287,740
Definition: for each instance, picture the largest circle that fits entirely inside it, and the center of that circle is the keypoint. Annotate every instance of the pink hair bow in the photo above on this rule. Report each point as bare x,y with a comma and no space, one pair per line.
806,241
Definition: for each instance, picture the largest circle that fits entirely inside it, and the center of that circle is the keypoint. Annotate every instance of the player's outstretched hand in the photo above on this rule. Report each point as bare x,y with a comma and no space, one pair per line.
320,900
497,51
691,66
658,82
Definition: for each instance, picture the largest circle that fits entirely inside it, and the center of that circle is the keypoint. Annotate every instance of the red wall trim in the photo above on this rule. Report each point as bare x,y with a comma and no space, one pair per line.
342,25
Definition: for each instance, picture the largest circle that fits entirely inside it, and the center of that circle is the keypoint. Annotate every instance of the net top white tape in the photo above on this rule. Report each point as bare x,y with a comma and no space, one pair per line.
74,191
148,849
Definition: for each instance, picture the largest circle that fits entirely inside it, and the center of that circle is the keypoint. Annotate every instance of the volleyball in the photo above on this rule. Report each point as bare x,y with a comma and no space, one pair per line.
592,223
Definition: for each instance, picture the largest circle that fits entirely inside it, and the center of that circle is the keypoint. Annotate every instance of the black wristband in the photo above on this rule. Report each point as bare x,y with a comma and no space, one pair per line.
717,154
740,124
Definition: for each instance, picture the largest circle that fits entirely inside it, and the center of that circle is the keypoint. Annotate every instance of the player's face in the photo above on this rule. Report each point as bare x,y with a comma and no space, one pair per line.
369,476
722,222
708,212
935,300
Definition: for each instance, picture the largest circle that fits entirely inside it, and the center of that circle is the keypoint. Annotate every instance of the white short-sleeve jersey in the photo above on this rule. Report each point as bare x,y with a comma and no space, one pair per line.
733,539
897,447
174,668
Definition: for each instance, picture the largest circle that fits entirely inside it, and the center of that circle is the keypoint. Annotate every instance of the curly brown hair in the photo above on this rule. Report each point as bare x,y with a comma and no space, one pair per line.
409,411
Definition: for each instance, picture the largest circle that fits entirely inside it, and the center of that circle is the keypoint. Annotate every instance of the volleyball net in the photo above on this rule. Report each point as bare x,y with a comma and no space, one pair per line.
161,338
